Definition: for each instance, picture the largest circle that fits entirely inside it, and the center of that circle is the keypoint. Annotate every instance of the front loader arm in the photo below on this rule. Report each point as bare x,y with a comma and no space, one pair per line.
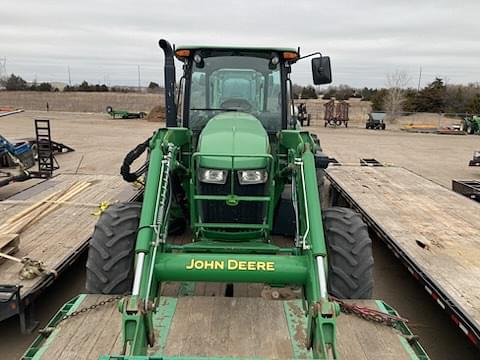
321,312
137,325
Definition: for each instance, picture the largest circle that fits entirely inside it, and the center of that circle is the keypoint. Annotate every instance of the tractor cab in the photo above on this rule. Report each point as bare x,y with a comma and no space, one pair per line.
226,80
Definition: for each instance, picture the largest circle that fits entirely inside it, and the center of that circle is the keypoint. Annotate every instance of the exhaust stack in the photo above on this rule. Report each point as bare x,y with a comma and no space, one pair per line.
169,69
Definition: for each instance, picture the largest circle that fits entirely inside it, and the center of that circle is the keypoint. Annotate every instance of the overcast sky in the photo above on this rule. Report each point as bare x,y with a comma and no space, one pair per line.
105,41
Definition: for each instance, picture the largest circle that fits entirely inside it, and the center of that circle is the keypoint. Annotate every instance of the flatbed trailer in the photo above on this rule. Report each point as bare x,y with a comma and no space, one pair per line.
57,239
196,327
432,230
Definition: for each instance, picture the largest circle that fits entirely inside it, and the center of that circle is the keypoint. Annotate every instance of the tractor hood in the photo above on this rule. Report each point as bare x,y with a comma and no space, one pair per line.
233,133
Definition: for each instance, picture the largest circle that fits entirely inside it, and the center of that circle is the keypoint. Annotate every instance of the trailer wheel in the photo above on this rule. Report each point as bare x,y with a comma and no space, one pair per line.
112,250
349,254
109,109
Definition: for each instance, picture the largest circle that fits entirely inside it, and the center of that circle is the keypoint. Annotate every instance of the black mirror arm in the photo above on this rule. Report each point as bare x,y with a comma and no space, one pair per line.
310,55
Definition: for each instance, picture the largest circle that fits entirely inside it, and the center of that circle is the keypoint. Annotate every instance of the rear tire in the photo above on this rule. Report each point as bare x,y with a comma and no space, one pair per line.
349,254
112,250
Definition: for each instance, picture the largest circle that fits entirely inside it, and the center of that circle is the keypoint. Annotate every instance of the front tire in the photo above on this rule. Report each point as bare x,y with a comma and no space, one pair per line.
349,254
111,250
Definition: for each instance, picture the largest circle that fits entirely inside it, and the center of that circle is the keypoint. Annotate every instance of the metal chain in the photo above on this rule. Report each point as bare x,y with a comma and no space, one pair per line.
368,313
48,330
91,307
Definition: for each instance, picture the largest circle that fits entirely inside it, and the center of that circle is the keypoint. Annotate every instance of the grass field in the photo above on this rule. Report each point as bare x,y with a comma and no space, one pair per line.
79,101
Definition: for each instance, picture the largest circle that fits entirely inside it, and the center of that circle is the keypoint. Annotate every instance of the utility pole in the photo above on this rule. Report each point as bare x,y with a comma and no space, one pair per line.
69,77
419,79
3,68
139,84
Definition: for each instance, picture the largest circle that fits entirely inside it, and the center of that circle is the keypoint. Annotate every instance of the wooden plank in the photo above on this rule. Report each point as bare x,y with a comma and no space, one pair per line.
219,326
435,227
58,235
88,335
358,339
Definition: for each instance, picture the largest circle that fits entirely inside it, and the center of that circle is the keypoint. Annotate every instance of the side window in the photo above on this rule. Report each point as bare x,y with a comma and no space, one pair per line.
198,89
274,100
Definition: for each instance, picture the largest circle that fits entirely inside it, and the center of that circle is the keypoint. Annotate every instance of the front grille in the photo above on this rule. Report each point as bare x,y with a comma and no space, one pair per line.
246,212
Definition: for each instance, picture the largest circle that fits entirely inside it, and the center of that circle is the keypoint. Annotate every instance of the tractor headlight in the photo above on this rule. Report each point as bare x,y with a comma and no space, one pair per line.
212,176
246,177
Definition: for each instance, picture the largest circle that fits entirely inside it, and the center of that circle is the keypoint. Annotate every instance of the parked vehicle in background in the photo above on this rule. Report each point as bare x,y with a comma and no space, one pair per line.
471,125
376,121
476,159
124,114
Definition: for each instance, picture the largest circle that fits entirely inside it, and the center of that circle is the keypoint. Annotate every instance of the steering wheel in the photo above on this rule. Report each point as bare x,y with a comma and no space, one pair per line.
238,104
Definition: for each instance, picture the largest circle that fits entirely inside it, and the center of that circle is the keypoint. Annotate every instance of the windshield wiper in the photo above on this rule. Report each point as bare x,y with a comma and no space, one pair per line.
214,109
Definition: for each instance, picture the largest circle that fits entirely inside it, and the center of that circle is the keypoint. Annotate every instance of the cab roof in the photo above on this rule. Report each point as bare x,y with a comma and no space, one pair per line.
246,48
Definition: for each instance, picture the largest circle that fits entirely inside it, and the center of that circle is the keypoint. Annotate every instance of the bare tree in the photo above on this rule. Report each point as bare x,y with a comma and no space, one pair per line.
396,83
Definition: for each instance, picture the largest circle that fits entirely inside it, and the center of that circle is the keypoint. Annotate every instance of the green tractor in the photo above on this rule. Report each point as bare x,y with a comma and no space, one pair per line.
471,125
232,168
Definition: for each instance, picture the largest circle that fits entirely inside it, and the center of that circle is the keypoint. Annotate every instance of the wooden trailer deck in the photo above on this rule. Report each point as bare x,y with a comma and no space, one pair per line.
434,231
209,327
60,235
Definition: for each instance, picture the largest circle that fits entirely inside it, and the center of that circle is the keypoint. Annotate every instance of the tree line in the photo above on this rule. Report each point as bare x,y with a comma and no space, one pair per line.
436,97
395,97
17,83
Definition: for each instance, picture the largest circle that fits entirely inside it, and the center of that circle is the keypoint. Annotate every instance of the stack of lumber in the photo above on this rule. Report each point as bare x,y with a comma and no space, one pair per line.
12,228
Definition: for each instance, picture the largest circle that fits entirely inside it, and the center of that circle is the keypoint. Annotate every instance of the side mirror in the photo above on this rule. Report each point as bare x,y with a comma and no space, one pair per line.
321,70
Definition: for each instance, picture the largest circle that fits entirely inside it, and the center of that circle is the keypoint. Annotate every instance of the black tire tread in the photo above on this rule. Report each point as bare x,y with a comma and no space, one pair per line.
112,249
349,254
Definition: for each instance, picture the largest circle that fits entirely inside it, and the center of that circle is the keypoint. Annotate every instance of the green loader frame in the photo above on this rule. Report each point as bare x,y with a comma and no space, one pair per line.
254,261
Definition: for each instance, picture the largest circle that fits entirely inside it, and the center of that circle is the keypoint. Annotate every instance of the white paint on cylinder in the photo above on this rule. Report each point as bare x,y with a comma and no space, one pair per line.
138,274
322,277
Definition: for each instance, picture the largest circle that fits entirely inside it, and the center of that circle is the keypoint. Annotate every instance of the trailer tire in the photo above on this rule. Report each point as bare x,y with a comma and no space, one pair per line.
349,254
111,250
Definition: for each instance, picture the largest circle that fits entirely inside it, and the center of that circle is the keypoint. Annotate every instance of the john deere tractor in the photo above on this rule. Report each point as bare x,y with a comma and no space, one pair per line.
231,168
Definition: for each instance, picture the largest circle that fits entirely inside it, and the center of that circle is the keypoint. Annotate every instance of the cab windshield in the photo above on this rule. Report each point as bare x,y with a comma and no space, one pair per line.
235,83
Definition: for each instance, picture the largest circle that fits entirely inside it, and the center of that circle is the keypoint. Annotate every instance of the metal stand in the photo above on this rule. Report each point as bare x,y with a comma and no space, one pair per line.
46,160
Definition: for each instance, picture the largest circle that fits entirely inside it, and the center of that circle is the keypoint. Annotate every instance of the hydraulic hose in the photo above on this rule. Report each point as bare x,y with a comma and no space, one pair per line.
130,158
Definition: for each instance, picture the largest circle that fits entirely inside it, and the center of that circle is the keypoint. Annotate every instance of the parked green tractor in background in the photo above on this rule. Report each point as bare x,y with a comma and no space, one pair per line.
471,125
233,164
